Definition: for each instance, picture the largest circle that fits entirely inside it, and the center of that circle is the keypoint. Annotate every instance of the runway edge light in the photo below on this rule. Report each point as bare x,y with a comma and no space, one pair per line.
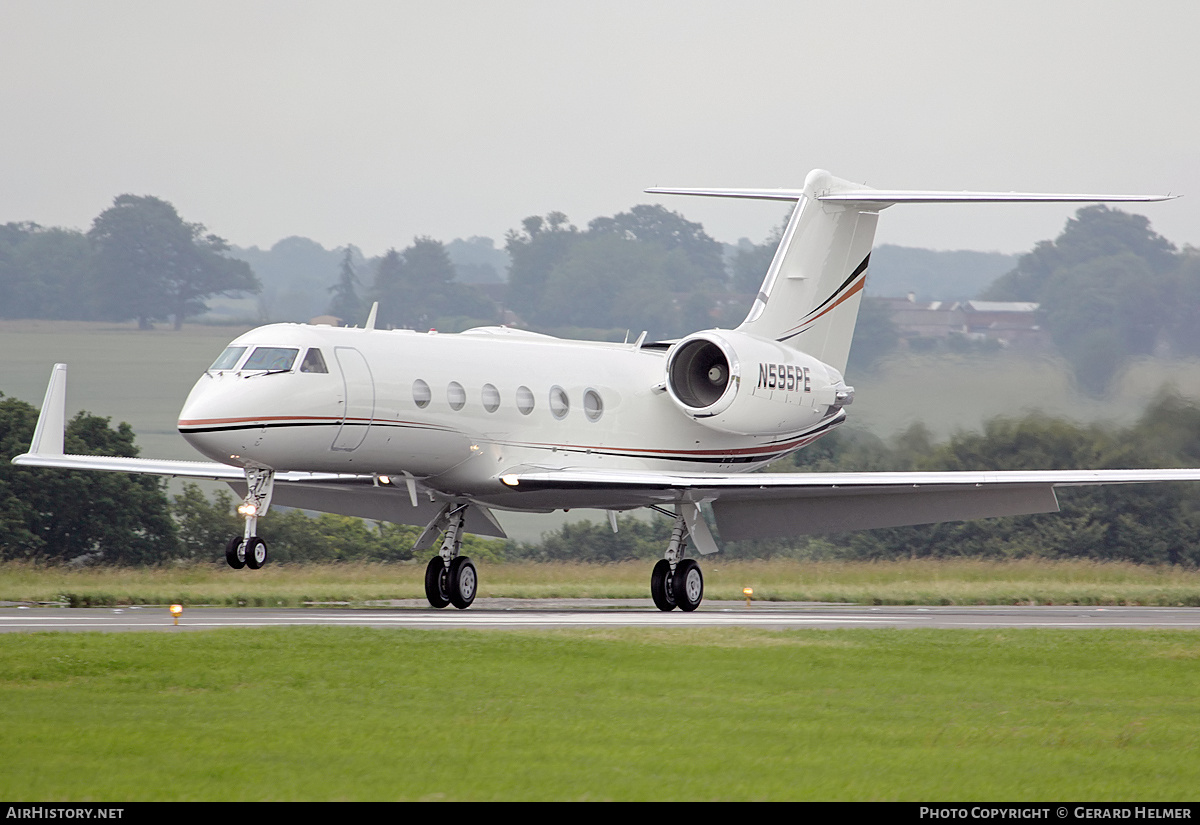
176,612
747,592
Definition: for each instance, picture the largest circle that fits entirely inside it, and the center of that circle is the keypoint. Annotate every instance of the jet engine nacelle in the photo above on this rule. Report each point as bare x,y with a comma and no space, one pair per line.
739,383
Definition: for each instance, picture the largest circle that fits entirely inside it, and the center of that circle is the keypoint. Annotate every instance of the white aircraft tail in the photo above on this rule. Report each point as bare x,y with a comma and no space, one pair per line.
812,290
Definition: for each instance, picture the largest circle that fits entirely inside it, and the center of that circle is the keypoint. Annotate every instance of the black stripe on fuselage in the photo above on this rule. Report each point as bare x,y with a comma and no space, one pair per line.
695,459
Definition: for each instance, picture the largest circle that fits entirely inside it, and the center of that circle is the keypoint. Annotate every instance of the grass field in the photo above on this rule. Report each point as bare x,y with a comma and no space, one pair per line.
897,582
358,714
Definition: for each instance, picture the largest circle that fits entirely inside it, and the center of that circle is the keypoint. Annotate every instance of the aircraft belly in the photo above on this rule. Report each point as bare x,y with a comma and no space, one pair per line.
420,450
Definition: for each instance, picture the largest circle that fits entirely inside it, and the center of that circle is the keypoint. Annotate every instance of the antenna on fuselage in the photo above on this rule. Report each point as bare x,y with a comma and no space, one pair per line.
371,316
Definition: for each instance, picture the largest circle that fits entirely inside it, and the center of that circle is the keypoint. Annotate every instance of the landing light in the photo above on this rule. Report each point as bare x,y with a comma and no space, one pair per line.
385,479
509,480
247,509
176,612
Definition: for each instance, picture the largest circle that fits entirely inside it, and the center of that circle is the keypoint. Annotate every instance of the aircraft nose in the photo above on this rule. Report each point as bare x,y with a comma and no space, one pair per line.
205,418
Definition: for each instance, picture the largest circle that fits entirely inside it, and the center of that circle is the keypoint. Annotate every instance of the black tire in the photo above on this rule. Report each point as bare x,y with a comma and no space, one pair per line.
235,553
660,586
464,582
256,552
687,585
437,582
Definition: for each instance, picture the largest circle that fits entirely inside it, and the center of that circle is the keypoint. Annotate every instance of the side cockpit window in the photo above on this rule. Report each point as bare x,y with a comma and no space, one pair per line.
271,358
313,361
228,359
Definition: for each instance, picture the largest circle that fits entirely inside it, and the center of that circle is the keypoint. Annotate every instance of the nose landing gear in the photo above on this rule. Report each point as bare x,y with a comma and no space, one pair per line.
248,550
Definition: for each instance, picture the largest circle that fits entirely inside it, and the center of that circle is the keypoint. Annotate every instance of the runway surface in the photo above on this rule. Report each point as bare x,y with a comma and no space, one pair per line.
596,613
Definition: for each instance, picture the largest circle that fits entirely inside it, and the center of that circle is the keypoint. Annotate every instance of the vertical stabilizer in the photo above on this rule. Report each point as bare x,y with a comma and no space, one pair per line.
814,285
813,288
48,435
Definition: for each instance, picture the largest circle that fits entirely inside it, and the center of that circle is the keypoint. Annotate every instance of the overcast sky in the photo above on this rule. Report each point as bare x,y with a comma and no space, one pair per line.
372,122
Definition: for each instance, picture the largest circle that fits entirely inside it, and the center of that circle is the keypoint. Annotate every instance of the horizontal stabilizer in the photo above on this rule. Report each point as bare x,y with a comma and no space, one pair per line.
887,197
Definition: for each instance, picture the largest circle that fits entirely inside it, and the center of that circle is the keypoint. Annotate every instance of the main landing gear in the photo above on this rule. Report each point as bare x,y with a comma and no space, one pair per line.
676,581
248,550
449,577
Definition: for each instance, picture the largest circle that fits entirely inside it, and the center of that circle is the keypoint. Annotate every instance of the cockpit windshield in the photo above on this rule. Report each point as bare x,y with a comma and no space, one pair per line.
271,358
228,359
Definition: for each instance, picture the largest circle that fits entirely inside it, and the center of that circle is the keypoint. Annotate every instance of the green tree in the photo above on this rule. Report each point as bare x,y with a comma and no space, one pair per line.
44,273
66,515
589,542
645,269
346,302
1110,288
694,261
748,262
610,281
1102,311
542,244
150,264
417,287
1095,232
1182,292
204,526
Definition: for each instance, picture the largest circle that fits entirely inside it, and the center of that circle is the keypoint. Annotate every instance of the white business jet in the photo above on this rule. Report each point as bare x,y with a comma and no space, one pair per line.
442,430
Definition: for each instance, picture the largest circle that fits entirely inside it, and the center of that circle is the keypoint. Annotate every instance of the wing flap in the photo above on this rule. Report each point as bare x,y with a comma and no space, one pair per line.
762,505
740,519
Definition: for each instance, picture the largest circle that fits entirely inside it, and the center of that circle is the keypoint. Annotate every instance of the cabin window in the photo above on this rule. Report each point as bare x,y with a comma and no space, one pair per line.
560,405
313,361
271,358
422,395
524,400
456,395
491,398
593,405
228,359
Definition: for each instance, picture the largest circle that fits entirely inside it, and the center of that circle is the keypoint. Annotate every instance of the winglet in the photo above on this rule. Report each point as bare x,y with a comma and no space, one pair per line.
371,317
48,435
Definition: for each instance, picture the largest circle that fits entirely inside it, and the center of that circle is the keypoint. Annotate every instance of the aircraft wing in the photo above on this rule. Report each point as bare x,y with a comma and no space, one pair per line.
46,450
350,494
765,505
344,493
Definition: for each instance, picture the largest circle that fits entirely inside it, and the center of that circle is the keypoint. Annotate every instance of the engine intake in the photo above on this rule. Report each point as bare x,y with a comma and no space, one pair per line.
698,373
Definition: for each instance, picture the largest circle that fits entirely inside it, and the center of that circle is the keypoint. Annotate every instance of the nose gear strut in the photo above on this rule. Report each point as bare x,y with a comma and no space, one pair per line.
248,550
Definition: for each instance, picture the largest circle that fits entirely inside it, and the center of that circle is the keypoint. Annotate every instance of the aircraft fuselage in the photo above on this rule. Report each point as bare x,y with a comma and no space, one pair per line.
459,410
